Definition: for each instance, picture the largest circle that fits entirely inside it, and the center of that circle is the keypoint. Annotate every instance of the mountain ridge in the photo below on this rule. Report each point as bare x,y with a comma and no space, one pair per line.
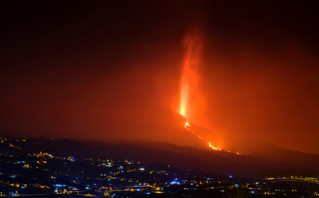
217,162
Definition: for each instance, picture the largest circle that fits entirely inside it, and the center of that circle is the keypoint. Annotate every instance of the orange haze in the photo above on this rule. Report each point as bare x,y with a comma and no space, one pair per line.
125,71
191,99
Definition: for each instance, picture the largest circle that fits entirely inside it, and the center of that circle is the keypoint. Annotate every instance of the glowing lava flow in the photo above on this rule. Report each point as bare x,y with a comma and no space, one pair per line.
187,127
190,96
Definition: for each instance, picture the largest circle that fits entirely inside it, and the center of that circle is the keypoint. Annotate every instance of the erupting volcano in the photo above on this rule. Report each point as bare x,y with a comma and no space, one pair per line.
191,100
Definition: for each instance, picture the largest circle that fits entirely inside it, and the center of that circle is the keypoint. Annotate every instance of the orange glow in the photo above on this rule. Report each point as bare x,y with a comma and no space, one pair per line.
190,97
191,102
186,125
189,89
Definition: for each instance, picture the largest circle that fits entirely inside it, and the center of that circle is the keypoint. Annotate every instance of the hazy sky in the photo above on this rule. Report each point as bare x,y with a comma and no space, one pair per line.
110,70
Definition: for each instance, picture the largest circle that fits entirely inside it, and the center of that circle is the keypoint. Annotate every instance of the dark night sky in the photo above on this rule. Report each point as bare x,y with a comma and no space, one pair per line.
109,70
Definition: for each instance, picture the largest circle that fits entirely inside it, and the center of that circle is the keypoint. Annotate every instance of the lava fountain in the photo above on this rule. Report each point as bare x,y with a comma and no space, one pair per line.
190,78
191,100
